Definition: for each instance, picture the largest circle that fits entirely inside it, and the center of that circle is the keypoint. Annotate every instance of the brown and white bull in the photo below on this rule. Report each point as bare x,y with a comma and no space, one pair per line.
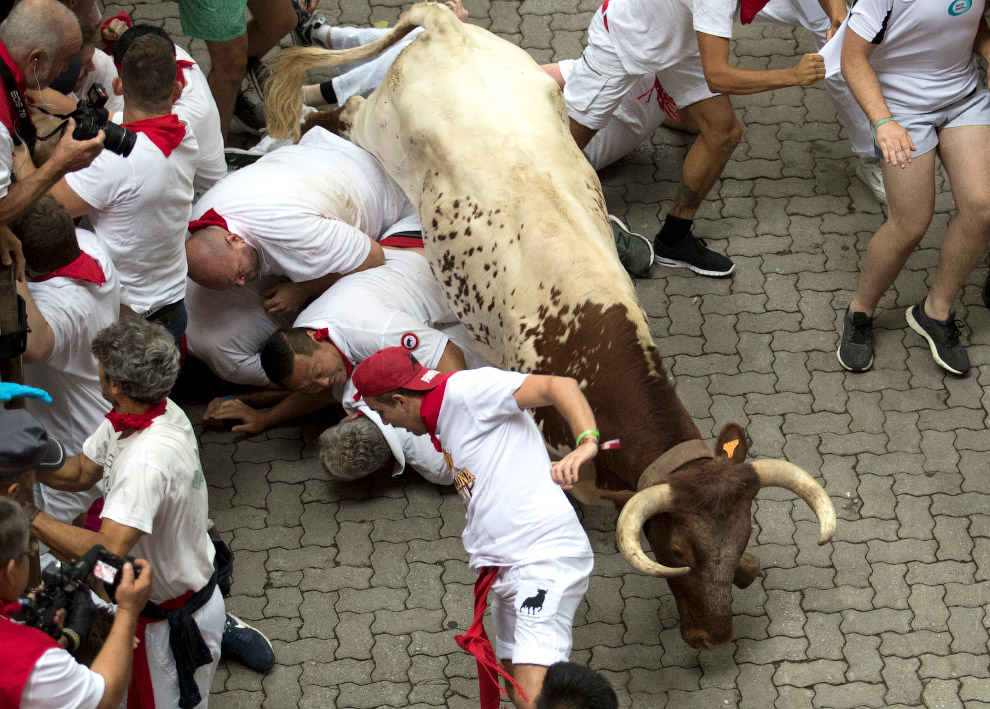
517,233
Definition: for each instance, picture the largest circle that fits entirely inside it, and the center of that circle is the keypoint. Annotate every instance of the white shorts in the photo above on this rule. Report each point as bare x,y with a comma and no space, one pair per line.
973,110
533,607
598,82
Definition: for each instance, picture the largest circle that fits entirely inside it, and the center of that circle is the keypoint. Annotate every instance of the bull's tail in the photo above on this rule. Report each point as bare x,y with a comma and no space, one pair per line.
283,94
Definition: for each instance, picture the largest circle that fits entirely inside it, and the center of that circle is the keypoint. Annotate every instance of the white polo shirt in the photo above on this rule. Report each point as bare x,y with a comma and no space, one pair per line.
104,72
197,108
309,208
6,159
154,482
76,310
141,207
516,513
57,680
924,57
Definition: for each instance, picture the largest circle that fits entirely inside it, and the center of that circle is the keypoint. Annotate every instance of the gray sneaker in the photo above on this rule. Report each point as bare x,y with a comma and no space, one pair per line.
855,351
635,250
249,111
302,35
943,338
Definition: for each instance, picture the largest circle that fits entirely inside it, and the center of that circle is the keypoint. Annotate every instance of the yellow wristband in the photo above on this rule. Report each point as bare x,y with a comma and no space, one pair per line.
584,434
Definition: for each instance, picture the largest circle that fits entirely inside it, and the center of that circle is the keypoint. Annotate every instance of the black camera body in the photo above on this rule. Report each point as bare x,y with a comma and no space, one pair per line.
62,580
91,117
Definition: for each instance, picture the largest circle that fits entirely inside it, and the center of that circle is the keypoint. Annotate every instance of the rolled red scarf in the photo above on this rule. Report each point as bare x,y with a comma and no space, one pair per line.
138,422
476,641
83,268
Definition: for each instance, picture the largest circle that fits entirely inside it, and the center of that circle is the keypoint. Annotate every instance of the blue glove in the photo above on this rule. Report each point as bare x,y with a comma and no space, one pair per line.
10,390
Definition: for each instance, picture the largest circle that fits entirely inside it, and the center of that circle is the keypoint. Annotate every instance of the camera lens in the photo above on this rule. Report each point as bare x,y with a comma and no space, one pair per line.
118,139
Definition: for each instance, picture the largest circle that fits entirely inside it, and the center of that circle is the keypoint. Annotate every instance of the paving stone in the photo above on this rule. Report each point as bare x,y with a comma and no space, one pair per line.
376,694
930,612
960,664
942,694
847,696
901,677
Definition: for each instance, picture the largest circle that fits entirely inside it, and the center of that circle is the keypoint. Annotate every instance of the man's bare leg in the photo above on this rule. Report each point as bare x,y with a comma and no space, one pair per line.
965,153
582,134
270,21
910,204
228,62
530,680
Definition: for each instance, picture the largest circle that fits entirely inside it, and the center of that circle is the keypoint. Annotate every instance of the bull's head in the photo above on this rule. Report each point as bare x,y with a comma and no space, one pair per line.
698,523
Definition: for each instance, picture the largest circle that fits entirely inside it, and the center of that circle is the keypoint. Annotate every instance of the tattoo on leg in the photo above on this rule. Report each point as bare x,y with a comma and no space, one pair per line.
686,200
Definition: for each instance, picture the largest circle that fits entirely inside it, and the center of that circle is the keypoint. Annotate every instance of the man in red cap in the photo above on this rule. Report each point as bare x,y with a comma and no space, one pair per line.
522,535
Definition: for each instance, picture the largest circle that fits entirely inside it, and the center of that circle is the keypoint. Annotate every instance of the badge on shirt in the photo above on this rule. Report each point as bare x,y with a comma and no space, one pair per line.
958,7
534,604
410,340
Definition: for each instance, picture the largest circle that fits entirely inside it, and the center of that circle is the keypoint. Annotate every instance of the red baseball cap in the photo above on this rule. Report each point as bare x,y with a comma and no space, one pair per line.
393,368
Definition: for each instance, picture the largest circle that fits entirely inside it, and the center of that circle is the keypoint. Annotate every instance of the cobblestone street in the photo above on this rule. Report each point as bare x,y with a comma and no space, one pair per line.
362,586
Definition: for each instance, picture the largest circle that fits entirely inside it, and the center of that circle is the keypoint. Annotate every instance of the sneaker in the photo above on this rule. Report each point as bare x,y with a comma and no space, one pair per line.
249,111
943,338
237,158
693,253
257,76
870,172
635,250
855,351
247,645
305,24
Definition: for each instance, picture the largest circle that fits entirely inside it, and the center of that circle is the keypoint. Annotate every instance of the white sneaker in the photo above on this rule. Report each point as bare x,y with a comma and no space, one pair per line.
870,173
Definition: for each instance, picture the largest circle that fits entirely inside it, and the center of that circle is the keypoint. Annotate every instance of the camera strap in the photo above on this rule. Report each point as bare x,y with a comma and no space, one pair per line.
25,129
58,128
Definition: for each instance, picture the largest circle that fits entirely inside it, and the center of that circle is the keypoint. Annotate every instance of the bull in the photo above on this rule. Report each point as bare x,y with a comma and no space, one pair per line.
517,233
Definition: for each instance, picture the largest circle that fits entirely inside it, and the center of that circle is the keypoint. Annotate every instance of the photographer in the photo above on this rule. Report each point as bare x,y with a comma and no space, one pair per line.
37,672
139,206
36,41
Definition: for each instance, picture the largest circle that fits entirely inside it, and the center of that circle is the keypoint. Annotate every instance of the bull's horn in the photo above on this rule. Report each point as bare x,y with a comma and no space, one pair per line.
780,473
643,505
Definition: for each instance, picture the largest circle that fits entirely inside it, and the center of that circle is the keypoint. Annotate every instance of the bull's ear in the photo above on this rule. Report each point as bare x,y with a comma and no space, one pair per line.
732,443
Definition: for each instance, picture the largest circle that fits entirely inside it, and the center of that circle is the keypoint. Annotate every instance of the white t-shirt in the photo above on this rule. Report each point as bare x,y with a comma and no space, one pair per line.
309,208
650,35
516,513
76,310
396,304
924,57
141,207
154,483
104,73
57,680
6,159
198,109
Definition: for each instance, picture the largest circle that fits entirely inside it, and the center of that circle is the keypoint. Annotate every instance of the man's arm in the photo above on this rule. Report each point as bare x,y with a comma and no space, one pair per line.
78,474
982,43
724,78
836,12
564,394
296,404
41,337
452,359
72,542
70,155
76,205
894,140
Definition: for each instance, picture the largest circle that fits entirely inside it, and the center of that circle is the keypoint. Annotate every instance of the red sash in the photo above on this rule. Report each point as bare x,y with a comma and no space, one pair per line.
140,692
476,641
83,268
403,241
22,647
166,132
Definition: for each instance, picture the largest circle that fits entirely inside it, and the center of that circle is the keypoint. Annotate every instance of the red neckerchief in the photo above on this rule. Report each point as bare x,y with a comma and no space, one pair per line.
166,132
476,642
8,113
180,65
138,422
209,218
83,268
749,10
108,45
323,335
430,409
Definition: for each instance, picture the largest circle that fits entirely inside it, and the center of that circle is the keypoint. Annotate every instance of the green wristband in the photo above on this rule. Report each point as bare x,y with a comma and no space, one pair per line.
888,119
589,432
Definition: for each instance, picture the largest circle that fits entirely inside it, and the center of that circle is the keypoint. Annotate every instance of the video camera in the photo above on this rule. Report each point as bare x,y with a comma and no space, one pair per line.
91,117
62,580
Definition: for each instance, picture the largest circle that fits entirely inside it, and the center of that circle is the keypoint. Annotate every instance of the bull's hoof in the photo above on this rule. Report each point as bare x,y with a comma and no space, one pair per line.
747,571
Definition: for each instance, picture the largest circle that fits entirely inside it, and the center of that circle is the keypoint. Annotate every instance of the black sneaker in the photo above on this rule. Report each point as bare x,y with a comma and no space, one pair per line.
247,645
693,253
249,111
305,24
943,338
986,291
855,351
257,76
635,250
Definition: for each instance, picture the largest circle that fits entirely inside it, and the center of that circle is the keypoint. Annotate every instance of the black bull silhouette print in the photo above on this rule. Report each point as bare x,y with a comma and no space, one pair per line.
534,603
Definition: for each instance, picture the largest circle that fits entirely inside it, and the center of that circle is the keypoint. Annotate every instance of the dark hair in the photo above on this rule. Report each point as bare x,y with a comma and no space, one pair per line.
132,33
147,72
571,686
47,235
281,348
